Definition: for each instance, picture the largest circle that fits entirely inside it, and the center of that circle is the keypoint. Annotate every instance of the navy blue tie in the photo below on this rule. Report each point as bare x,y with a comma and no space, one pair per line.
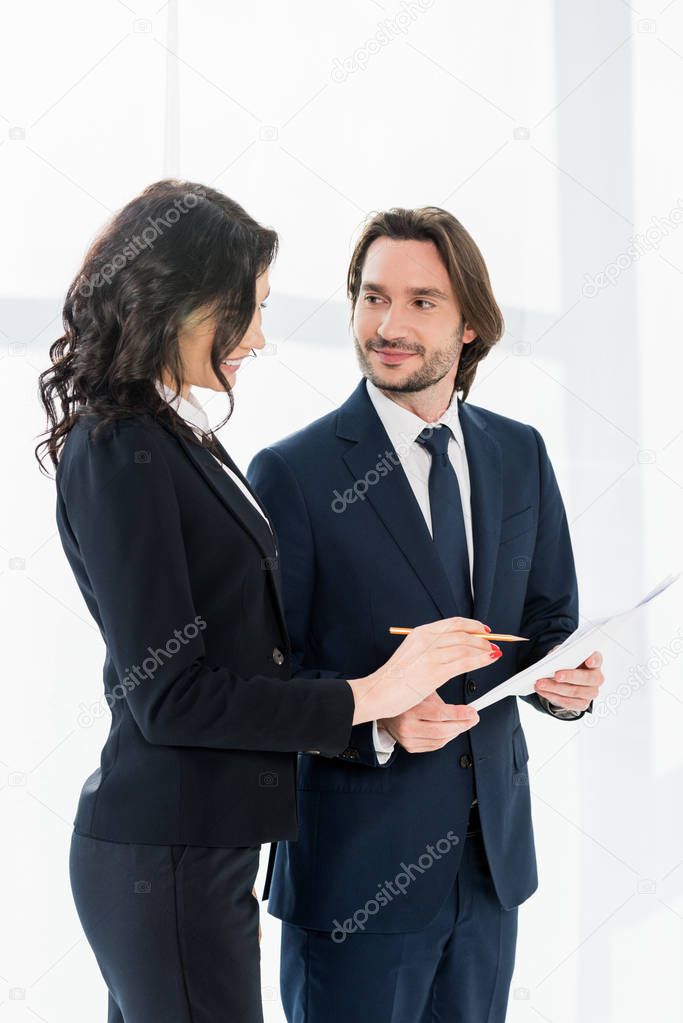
448,523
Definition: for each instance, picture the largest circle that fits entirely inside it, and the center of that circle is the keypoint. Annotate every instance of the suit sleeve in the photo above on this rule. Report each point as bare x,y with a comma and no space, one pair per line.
279,490
551,606
122,511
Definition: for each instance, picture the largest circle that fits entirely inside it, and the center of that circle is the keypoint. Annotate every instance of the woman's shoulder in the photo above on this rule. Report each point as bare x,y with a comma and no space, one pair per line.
98,444
96,431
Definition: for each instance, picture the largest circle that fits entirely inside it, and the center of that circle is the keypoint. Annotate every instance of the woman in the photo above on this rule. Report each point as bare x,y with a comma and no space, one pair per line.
178,565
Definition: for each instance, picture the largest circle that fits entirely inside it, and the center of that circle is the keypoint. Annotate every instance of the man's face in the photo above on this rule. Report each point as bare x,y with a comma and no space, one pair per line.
407,325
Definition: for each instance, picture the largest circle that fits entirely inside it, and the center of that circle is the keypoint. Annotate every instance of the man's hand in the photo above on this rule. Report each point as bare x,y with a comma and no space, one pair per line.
430,725
574,688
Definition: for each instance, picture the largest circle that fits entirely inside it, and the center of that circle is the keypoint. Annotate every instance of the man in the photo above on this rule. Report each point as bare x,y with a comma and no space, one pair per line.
416,845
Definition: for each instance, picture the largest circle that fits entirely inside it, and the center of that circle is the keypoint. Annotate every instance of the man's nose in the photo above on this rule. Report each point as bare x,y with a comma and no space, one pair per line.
392,328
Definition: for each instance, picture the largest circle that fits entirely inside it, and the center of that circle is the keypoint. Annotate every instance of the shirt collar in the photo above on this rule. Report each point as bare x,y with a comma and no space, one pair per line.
403,426
188,408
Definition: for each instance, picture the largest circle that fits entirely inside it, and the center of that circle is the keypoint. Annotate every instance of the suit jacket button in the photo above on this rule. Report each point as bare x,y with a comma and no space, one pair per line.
471,686
465,760
351,753
278,656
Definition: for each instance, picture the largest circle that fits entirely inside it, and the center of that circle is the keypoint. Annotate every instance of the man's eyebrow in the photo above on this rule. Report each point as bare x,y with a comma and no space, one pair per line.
429,292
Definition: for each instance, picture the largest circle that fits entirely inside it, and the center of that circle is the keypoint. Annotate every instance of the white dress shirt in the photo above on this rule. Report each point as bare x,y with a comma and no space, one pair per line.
403,428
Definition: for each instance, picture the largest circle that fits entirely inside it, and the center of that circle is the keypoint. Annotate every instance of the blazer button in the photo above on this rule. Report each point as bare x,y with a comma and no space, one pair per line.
351,753
471,686
465,760
278,656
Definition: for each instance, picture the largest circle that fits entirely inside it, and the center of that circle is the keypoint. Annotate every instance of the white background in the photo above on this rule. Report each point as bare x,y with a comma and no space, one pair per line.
552,131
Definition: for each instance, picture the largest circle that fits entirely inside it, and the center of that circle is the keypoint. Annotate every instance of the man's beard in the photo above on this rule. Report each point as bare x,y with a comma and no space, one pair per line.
434,367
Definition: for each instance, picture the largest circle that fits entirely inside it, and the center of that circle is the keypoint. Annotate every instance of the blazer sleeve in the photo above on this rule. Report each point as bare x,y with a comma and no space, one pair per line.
279,490
551,606
122,511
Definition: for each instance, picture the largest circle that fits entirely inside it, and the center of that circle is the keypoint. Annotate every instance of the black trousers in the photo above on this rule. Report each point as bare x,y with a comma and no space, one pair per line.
174,929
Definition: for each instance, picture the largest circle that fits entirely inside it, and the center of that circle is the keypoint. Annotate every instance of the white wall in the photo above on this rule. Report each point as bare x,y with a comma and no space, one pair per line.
552,132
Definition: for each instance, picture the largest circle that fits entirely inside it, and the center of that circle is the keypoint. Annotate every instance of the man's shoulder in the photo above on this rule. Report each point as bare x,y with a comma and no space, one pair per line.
519,443
298,446
494,421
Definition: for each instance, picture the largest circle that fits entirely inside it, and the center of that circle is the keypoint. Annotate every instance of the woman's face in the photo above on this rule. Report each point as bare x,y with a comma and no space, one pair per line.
196,337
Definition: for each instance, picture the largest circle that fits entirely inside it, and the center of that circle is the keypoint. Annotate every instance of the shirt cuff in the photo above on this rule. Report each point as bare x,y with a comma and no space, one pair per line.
559,712
383,742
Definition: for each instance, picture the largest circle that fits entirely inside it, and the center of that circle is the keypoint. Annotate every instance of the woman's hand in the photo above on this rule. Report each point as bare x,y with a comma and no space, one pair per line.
427,657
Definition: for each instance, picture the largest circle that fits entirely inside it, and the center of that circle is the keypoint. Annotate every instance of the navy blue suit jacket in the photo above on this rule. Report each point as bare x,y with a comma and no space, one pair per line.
357,557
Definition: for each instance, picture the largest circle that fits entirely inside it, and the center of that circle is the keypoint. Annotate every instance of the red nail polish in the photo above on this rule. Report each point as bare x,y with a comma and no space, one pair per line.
496,647
494,656
487,628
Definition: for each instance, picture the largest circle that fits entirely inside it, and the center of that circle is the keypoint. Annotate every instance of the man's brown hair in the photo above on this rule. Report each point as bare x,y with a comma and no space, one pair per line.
465,266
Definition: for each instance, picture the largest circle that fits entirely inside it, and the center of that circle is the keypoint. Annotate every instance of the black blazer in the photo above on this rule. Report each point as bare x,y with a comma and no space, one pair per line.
181,574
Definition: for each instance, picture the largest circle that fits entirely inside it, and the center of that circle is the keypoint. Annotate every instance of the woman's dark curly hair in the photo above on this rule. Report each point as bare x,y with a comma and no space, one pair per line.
176,248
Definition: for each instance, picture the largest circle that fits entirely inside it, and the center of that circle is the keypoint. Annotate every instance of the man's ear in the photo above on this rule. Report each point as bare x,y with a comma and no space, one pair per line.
469,334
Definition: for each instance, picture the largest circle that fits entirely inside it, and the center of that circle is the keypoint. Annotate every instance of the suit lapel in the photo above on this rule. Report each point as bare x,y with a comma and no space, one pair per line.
230,494
233,465
484,463
240,508
394,502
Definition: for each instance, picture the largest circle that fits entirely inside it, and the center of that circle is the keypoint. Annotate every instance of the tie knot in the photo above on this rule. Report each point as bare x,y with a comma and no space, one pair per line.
435,439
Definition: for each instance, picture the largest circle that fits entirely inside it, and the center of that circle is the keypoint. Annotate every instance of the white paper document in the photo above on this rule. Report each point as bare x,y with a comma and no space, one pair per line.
575,649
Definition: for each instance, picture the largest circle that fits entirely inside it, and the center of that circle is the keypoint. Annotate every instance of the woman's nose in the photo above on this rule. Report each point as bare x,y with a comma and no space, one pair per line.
254,338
